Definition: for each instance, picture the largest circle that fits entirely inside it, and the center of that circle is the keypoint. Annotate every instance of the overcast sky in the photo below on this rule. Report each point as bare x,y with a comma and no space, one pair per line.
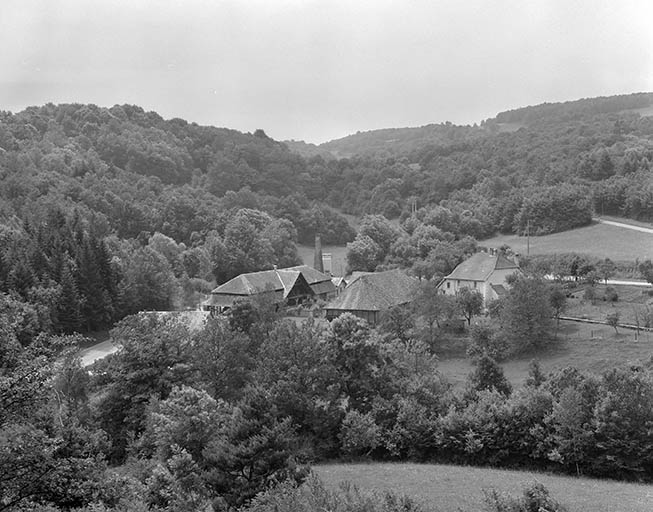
318,70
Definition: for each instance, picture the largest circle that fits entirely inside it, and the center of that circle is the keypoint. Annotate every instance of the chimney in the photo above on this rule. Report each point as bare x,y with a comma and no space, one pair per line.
317,261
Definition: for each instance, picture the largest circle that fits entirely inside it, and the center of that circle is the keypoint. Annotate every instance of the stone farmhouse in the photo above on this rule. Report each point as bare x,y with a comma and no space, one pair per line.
368,295
293,286
483,272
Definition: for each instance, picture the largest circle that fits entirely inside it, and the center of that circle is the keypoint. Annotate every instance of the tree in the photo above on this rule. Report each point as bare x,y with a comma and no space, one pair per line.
363,254
381,230
153,358
606,269
526,314
222,359
431,307
558,302
397,323
356,357
470,303
612,319
488,375
253,451
535,375
646,269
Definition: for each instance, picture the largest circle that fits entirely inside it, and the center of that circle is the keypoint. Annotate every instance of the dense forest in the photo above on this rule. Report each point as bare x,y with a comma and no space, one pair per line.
108,212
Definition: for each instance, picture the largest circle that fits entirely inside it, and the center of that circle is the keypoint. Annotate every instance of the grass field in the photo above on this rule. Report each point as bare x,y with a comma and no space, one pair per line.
600,240
588,347
453,488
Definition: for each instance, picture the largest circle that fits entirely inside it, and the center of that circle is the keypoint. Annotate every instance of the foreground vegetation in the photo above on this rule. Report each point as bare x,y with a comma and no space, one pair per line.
183,418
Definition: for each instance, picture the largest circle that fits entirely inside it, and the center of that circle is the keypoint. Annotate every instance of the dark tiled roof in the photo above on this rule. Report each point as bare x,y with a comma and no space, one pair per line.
310,274
319,282
480,266
375,291
258,282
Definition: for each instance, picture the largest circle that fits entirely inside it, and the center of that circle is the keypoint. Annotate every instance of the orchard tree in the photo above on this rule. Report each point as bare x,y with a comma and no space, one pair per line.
606,269
646,269
612,319
431,307
470,303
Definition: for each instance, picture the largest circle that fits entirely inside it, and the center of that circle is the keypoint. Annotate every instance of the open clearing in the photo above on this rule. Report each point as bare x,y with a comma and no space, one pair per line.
601,240
452,488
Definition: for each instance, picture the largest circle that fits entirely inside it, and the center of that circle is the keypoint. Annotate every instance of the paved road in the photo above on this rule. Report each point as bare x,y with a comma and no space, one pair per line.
601,281
92,354
624,225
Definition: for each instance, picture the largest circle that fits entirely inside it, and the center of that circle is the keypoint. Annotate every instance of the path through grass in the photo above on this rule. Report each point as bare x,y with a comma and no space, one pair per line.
450,488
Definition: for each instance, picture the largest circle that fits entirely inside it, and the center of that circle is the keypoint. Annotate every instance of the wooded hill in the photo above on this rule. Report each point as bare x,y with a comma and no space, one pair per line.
168,208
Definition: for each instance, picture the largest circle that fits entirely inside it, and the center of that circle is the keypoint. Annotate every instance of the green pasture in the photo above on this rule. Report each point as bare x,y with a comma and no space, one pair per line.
601,240
459,488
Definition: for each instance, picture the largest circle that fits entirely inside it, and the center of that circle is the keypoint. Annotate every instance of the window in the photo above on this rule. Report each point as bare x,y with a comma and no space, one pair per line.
448,284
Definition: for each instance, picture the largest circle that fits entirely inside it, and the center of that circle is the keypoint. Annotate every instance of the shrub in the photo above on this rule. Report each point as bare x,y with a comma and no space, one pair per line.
611,294
359,434
484,340
313,495
535,498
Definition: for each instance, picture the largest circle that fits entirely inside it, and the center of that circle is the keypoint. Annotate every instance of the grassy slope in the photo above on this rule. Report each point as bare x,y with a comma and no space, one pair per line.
596,239
450,488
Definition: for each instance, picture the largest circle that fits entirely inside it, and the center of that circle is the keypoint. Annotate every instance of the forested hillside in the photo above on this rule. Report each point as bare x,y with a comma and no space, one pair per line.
108,211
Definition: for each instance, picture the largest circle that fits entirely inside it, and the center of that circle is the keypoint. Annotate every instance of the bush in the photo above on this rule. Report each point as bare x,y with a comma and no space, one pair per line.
313,495
534,499
359,434
484,340
611,294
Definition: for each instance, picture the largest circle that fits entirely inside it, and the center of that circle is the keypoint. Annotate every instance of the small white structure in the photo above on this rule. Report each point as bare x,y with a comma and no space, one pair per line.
483,272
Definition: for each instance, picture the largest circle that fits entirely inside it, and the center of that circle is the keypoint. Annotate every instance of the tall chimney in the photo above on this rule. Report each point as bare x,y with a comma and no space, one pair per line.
317,260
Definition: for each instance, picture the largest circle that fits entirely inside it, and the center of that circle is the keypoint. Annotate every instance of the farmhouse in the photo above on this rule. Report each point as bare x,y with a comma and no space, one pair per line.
321,283
370,294
283,285
484,272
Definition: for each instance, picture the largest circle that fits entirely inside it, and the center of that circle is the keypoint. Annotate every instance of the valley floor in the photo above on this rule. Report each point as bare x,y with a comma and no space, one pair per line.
449,488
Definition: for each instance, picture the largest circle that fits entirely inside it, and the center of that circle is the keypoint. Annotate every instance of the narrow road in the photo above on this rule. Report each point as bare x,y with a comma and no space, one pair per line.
624,225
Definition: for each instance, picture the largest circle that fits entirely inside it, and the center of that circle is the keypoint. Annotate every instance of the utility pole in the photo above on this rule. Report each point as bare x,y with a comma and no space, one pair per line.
528,237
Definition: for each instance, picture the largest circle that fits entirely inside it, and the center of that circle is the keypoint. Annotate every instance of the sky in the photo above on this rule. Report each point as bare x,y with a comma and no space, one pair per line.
317,70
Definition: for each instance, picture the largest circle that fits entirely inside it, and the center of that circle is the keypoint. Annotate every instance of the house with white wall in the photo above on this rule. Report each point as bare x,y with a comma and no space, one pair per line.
483,272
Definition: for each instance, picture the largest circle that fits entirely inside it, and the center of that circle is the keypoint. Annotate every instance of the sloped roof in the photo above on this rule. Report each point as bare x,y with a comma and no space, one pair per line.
259,282
310,274
499,289
319,282
479,266
337,281
375,291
